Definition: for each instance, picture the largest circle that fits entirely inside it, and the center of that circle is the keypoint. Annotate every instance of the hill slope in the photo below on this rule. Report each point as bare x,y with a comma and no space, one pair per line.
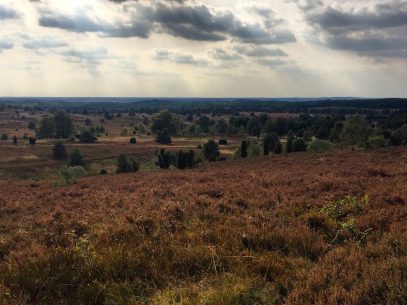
294,229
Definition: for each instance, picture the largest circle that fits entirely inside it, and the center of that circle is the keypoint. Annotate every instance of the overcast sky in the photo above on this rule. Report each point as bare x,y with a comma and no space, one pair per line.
213,48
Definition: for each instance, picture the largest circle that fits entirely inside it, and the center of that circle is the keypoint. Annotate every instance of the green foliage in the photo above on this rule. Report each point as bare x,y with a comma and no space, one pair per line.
87,137
165,120
270,143
64,127
4,137
355,131
59,151
253,150
185,159
69,174
165,158
211,150
163,136
319,145
133,140
125,165
299,145
15,140
254,127
32,125
76,159
47,127
377,141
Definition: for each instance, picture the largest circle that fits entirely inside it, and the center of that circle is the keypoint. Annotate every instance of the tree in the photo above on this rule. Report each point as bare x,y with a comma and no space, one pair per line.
163,137
4,137
279,148
165,158
223,142
87,137
221,126
88,122
269,143
185,159
124,165
47,127
254,127
76,158
355,131
59,151
336,131
211,150
253,150
64,127
133,140
15,140
204,123
165,120
243,149
289,146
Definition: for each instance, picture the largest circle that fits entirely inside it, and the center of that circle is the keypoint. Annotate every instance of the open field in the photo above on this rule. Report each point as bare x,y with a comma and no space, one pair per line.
273,230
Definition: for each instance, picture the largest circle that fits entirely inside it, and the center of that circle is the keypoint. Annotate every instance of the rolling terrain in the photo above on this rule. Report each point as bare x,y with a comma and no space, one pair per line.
305,228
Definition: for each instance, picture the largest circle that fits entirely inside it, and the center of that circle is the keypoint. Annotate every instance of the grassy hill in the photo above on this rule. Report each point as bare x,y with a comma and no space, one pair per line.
292,229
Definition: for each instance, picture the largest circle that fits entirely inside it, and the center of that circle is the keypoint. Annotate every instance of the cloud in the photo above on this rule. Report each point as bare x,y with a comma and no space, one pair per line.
188,21
223,55
5,45
45,42
258,51
179,58
7,13
270,62
373,30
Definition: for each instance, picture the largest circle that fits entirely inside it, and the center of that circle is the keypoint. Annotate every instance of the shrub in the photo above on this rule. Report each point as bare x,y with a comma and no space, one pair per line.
133,140
15,140
185,159
165,159
243,149
87,137
376,142
223,142
211,150
299,145
254,150
126,166
103,172
59,151
319,145
32,125
32,140
69,174
4,137
76,158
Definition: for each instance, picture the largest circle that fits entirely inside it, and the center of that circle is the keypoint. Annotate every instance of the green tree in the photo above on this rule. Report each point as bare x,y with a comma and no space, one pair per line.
133,140
4,137
355,131
254,127
87,137
125,165
299,145
47,127
221,126
59,151
64,127
336,131
32,125
211,150
270,142
165,158
15,140
204,123
165,120
76,158
163,136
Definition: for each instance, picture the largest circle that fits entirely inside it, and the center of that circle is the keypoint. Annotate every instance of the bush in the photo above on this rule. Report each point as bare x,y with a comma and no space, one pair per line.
254,150
76,159
163,137
164,159
133,140
69,174
243,149
223,142
59,151
103,172
4,137
126,166
299,145
185,159
376,142
15,140
319,145
32,140
87,137
211,150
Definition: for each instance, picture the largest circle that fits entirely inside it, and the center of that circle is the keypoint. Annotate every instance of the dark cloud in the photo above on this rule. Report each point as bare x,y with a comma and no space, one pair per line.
192,22
5,45
271,62
376,31
7,13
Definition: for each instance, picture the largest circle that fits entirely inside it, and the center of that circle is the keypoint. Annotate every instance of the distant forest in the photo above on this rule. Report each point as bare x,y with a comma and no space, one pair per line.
208,106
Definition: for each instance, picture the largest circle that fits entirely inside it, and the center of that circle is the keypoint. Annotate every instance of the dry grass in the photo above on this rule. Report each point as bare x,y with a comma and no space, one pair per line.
274,230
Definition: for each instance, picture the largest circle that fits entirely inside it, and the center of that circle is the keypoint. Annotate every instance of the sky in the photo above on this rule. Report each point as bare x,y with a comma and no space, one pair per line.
213,48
